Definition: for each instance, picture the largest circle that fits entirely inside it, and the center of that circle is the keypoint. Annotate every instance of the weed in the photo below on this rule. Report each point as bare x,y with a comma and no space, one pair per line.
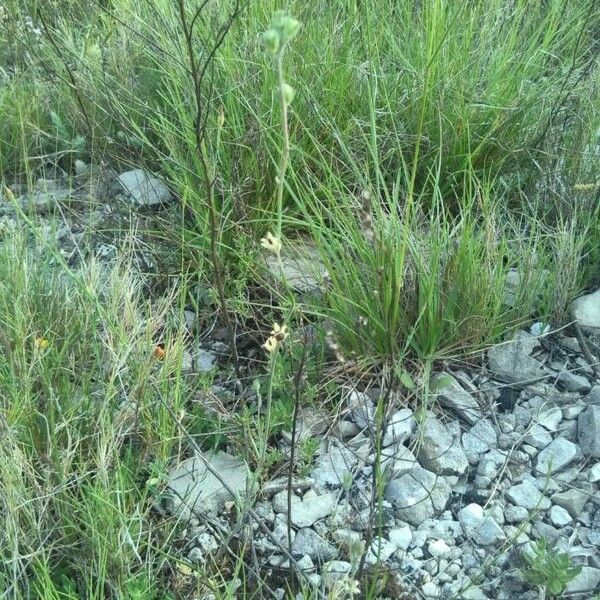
549,569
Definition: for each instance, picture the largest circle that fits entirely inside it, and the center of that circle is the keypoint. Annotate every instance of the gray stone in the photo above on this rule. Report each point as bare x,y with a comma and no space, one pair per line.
310,423
346,539
300,267
334,570
545,531
470,517
193,488
305,564
480,438
515,514
306,510
418,495
361,409
585,583
594,473
556,456
431,590
574,383
538,437
586,311
511,362
143,189
401,537
438,452
589,431
572,500
573,411
438,548
335,467
399,429
380,551
528,496
346,430
396,461
310,543
195,555
488,533
550,418
559,516
451,394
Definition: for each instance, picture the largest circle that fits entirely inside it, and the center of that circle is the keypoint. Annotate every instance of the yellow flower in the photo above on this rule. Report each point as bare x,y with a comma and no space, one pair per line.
271,243
271,345
41,343
279,333
159,353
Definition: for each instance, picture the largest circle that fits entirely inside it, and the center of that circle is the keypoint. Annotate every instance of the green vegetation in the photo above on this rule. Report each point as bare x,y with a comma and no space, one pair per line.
431,148
549,569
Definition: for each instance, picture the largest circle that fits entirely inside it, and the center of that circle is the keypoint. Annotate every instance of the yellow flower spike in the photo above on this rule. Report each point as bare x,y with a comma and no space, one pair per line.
271,345
41,343
279,333
271,243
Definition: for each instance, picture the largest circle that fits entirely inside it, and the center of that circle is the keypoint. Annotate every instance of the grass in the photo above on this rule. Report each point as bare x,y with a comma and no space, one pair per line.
429,149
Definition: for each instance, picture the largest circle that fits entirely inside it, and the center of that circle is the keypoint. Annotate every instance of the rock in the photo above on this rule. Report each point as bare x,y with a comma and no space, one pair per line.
310,423
438,548
301,268
512,286
511,362
538,437
346,539
545,531
307,510
589,431
438,452
143,189
586,311
572,500
334,570
305,564
335,468
573,382
345,430
473,593
556,456
401,537
480,438
308,542
380,551
585,583
515,514
594,473
431,590
396,461
470,517
195,555
559,517
550,418
452,395
399,429
417,495
594,531
483,530
361,409
528,496
194,489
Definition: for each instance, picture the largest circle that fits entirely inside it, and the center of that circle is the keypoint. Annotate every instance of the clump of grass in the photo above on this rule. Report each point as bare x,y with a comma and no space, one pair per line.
83,422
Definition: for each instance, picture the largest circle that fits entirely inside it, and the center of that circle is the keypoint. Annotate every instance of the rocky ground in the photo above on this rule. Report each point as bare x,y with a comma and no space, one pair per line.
501,456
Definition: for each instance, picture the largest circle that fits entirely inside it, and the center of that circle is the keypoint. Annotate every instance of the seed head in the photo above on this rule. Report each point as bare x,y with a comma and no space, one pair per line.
271,243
